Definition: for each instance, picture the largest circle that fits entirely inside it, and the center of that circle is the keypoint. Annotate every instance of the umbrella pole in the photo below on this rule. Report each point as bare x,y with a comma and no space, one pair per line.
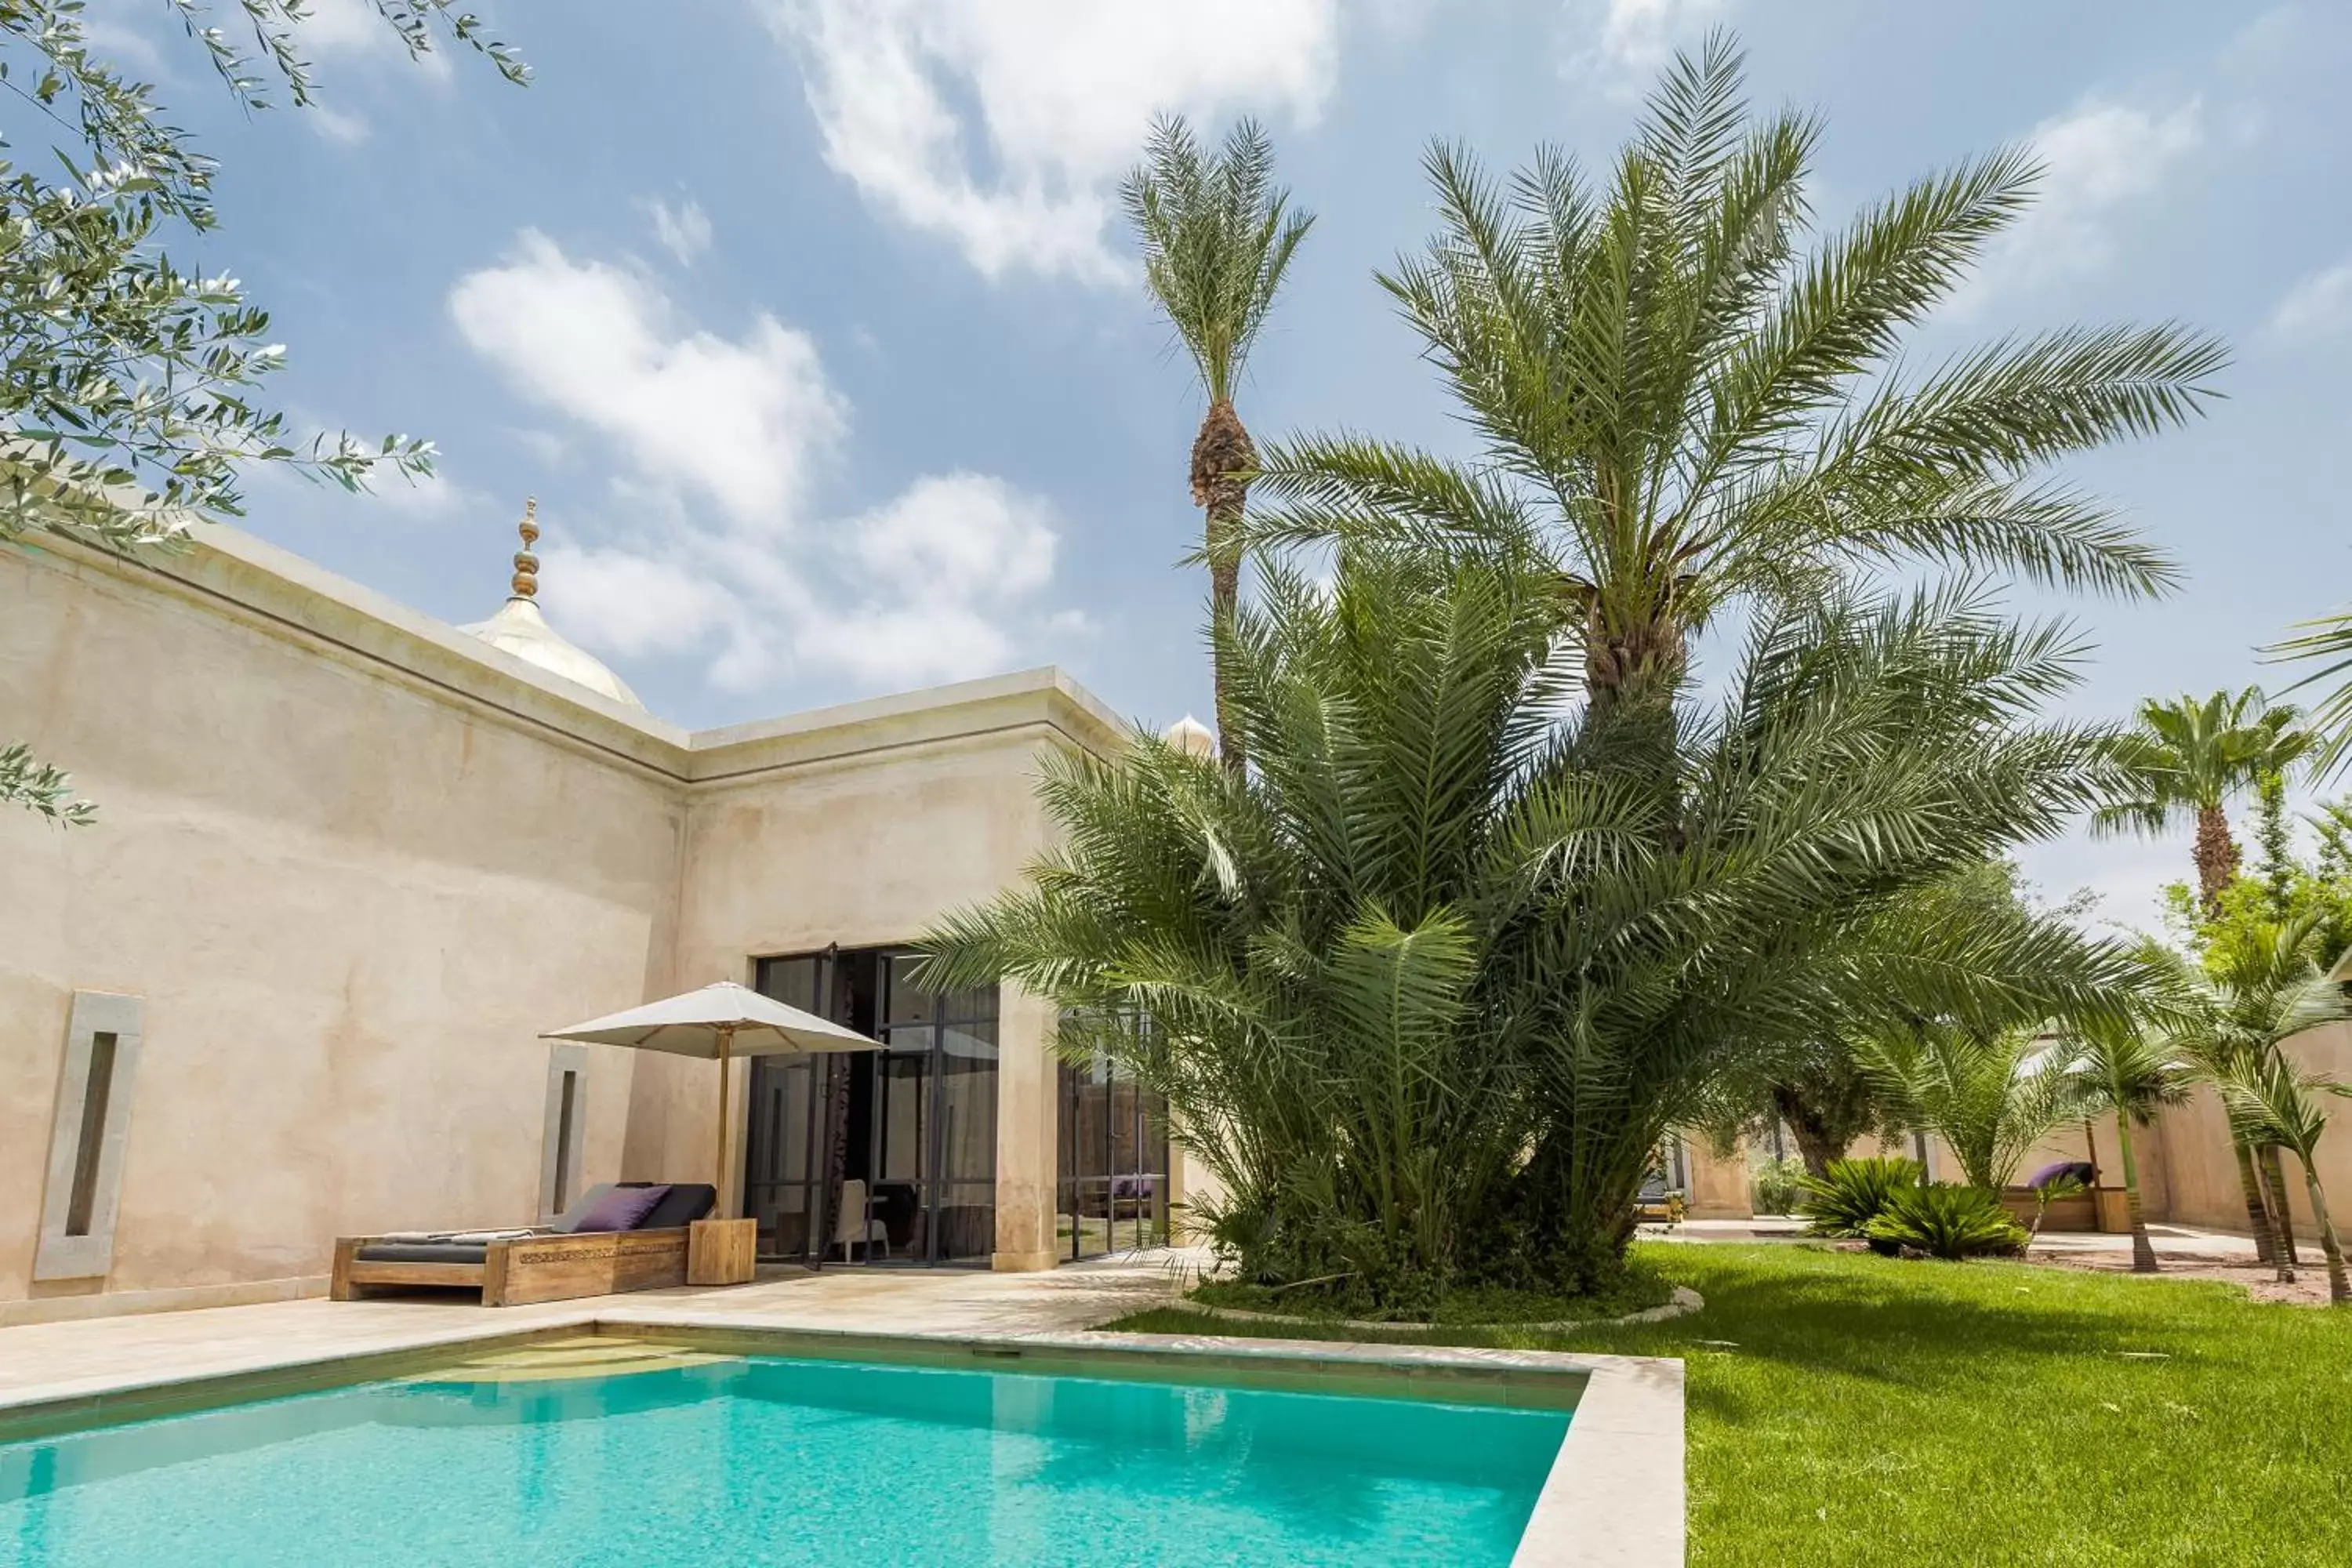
726,1044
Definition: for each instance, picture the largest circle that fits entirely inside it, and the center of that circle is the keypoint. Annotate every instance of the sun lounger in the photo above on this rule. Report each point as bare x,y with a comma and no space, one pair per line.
556,1262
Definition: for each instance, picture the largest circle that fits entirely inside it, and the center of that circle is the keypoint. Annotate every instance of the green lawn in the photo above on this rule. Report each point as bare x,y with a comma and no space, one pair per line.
1873,1411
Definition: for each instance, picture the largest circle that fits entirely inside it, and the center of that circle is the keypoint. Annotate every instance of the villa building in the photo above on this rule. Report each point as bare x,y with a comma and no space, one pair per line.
349,862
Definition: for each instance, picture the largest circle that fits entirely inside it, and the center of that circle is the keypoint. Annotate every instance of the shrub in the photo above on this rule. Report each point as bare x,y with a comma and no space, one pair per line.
1855,1192
1776,1186
1945,1219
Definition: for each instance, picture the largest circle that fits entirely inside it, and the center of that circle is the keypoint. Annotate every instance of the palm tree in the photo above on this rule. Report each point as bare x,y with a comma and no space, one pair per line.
2275,1104
1683,406
2326,641
2188,759
1217,236
2256,988
2136,1074
1992,1094
1432,981
1434,976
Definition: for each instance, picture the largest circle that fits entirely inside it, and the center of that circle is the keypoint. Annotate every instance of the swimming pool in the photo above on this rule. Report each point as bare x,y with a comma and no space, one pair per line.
682,1457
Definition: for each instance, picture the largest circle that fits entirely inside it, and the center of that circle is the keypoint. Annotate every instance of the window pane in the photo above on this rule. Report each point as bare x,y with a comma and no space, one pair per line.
968,1112
968,1042
909,1004
791,981
977,1007
901,1117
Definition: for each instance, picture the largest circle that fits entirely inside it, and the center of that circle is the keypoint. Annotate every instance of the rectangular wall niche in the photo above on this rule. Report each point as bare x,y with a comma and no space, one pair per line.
88,1137
565,1134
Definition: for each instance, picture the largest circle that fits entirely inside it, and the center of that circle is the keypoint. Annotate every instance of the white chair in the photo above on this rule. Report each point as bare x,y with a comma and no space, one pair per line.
854,1226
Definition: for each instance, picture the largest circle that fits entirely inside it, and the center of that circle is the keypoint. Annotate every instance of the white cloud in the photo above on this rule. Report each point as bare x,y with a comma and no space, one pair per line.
2318,305
720,441
684,230
1624,44
2099,161
335,125
355,29
741,421
1005,126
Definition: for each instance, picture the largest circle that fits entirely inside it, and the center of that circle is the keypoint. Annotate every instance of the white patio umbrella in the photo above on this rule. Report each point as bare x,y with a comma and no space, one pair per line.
716,1024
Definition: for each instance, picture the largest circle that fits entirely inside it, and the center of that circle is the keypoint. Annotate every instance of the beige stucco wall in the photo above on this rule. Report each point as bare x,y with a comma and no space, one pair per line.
2194,1148
353,860
2188,1174
348,903
870,849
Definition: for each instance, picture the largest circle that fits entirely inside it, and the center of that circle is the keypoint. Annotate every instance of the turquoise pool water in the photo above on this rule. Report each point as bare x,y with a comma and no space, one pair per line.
784,1461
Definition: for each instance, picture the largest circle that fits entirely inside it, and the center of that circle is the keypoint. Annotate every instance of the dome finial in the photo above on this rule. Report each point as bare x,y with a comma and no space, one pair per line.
526,564
1191,736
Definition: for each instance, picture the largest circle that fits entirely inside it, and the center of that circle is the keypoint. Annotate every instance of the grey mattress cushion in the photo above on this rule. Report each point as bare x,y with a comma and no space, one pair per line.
424,1252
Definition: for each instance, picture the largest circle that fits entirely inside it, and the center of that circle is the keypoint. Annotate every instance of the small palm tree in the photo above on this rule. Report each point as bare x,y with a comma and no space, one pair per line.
2257,988
2188,759
2275,1104
1990,1094
1217,235
2136,1074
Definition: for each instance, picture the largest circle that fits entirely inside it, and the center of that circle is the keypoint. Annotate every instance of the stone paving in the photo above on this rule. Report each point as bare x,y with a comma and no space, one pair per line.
43,1362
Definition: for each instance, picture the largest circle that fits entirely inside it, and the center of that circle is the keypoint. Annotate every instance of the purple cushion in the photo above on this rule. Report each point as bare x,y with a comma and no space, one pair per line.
2082,1171
620,1209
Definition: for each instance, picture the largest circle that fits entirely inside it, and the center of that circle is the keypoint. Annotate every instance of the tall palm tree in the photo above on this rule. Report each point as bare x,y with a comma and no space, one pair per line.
1217,235
2136,1074
1685,404
2276,1104
2188,759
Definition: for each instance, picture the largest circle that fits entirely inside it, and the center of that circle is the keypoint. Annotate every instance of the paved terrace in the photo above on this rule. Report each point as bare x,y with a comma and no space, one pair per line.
44,1361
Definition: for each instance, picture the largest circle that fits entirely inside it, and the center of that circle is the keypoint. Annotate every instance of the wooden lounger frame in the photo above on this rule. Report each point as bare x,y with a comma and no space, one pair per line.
528,1269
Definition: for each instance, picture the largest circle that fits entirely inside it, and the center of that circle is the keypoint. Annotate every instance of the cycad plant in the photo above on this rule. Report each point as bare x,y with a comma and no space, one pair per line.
2271,1102
1946,1220
1844,1199
2133,1071
2188,759
1217,235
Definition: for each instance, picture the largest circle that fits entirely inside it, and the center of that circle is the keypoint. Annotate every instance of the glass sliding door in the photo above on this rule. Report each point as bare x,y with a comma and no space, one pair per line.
780,1169
935,1118
906,1135
1111,1159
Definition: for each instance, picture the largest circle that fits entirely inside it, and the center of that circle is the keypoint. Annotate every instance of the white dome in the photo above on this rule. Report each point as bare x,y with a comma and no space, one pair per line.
522,631
1191,736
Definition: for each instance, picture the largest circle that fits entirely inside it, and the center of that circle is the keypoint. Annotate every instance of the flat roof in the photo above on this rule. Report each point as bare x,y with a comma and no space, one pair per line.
251,580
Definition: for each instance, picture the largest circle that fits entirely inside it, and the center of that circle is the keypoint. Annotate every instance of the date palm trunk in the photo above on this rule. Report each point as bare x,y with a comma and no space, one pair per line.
2143,1250
1222,459
2274,1178
2216,858
2339,1287
2281,1261
2258,1215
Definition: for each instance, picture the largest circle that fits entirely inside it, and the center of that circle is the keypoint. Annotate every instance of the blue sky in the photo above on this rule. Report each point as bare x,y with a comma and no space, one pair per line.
807,321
